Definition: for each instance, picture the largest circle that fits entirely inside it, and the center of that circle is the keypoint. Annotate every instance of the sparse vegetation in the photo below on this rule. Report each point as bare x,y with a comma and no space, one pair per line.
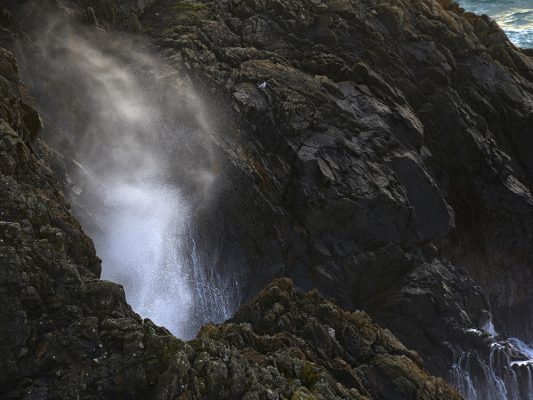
187,12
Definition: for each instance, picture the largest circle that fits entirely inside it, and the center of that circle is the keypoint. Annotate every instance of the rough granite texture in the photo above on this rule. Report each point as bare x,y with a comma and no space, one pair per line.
388,163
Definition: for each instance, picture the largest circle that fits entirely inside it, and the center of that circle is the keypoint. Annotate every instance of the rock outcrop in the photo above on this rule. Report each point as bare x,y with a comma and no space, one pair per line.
389,151
388,160
67,334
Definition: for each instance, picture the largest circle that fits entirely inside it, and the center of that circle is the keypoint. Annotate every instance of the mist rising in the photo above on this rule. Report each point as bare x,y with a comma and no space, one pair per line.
134,137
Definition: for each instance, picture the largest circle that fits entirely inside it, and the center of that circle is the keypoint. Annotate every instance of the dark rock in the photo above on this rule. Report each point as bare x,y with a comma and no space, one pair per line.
389,135
68,334
434,217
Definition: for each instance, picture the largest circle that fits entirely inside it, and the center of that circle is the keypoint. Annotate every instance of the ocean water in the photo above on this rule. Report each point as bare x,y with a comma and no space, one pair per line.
514,16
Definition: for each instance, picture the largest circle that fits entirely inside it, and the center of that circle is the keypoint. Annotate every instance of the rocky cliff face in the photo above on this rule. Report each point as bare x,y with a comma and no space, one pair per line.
388,162
390,152
67,334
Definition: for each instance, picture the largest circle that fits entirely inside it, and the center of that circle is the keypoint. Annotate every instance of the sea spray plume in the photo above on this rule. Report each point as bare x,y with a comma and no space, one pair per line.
136,140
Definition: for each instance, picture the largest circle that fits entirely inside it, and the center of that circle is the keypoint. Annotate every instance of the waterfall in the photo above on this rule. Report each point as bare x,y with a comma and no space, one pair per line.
504,372
134,142
461,379
214,292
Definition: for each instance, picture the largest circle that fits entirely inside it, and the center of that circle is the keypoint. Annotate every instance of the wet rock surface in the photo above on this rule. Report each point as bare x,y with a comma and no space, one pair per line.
387,162
67,334
388,139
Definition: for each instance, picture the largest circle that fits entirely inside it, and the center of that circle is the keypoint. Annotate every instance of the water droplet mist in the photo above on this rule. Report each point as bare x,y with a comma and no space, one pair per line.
134,142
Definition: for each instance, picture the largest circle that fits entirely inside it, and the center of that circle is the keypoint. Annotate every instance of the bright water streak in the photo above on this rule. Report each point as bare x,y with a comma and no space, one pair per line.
505,373
141,249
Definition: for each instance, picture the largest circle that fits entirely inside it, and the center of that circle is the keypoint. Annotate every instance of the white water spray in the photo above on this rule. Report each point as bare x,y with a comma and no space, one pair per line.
504,373
140,163
140,246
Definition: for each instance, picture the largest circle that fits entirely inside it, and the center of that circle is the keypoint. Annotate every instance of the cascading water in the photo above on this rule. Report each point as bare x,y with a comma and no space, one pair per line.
504,372
135,145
